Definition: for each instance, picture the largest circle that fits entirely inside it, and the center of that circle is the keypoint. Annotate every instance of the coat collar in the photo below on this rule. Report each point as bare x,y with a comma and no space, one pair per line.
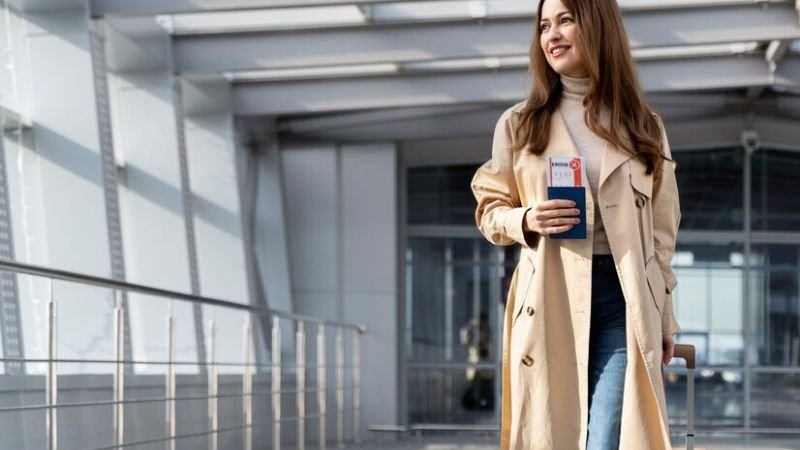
561,143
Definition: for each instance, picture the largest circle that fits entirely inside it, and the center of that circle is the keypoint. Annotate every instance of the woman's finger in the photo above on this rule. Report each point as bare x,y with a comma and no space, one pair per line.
554,204
560,221
669,349
556,230
555,214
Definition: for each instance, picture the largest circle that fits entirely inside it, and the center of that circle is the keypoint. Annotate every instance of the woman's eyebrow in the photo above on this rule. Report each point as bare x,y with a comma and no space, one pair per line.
545,19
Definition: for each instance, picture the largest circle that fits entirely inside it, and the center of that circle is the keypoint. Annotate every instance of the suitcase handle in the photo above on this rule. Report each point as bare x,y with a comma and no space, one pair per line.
687,353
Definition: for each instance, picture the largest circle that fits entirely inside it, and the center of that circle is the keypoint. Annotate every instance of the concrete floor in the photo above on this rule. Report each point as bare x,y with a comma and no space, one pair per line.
490,443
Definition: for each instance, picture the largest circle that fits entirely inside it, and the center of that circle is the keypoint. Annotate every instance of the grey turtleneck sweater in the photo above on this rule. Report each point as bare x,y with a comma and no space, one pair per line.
589,145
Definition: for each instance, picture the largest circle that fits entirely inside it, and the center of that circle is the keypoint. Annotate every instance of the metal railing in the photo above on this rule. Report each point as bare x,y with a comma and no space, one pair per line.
117,422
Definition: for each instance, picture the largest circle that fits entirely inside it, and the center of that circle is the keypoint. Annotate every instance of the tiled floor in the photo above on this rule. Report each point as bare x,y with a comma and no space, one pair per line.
487,443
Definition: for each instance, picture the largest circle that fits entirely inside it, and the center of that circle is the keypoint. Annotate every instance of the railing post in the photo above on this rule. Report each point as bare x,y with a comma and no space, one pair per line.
247,387
170,391
321,383
339,388
276,383
213,388
52,380
301,385
119,370
357,386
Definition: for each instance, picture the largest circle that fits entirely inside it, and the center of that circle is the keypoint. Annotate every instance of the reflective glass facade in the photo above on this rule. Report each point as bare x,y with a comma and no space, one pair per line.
737,297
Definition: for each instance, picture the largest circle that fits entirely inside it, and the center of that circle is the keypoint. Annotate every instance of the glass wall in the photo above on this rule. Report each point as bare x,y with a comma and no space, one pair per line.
775,184
737,298
710,185
454,307
708,301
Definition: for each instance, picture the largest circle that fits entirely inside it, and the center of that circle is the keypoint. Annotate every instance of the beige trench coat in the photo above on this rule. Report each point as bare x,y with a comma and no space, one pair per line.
546,326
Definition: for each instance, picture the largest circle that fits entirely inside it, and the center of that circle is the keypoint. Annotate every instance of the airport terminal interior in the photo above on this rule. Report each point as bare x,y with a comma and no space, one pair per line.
248,224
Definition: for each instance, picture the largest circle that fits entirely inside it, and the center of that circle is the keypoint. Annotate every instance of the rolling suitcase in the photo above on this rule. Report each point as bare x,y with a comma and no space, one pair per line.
687,353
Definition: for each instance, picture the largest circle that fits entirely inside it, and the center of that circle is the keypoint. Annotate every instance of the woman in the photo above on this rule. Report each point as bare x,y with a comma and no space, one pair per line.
588,321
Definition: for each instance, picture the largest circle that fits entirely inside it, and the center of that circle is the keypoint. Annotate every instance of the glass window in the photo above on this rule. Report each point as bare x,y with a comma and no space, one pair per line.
775,186
708,302
777,304
774,402
710,186
454,289
441,195
719,398
451,396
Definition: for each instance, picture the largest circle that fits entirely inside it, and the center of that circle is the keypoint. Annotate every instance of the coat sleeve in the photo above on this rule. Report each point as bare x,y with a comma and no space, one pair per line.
499,213
666,219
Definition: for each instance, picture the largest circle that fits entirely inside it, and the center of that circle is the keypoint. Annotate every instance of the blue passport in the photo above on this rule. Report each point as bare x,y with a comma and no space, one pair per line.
578,195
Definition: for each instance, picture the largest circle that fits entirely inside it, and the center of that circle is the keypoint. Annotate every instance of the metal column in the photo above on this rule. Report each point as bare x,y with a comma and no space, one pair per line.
357,386
213,388
170,384
339,388
119,370
276,383
52,375
321,392
188,217
748,301
247,386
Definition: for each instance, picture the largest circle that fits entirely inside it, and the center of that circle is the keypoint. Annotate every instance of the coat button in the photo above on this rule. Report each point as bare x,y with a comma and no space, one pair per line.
527,360
640,202
529,310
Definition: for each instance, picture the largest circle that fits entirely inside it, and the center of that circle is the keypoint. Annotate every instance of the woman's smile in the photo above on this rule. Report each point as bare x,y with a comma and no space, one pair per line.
558,50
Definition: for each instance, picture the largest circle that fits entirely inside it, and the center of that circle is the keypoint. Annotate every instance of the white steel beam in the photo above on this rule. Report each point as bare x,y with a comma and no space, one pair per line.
673,75
468,39
471,121
151,7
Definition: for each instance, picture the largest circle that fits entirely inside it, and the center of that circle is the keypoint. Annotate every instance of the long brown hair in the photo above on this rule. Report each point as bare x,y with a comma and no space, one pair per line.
612,84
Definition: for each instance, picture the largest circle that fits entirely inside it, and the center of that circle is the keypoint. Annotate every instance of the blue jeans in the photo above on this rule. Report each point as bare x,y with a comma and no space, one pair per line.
607,356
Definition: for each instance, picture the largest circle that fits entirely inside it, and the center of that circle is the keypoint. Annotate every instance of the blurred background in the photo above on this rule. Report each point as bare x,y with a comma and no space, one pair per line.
248,223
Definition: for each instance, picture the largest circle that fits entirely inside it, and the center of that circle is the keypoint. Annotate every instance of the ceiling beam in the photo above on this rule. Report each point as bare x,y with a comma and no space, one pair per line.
413,42
776,51
476,121
503,86
466,138
102,8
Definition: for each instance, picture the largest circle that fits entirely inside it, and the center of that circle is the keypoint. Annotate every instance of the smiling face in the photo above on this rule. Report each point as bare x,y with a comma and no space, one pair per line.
559,39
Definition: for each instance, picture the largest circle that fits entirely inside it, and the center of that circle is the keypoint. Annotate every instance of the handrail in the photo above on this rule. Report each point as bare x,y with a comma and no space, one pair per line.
66,275
51,406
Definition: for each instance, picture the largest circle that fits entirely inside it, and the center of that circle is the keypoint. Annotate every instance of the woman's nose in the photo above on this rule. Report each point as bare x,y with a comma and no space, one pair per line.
554,35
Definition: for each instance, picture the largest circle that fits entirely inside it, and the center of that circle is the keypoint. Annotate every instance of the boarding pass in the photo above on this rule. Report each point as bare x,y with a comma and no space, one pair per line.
565,171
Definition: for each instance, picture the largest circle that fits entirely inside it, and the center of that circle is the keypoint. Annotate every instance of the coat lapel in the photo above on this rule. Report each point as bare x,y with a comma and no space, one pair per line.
613,157
560,141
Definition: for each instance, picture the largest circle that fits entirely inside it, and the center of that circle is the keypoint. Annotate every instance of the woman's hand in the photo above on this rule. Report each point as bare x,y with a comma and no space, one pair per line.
551,217
668,345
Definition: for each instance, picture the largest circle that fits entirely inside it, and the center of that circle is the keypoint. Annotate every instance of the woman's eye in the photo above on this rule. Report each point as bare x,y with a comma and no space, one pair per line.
545,27
566,19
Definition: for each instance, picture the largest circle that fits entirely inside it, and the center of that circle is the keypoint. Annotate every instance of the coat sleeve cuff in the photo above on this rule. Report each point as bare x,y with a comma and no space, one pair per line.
513,228
669,325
